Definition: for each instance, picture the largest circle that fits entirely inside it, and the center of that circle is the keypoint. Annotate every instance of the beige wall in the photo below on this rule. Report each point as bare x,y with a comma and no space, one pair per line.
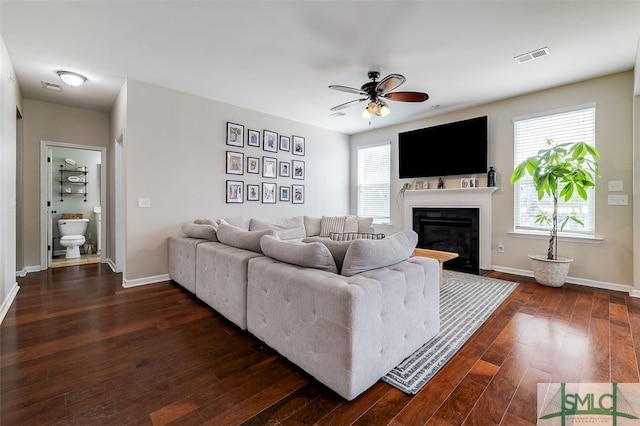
175,150
605,263
10,102
55,123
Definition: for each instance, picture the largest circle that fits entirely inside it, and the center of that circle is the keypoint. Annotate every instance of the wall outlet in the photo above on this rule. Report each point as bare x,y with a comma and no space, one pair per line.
500,247
144,202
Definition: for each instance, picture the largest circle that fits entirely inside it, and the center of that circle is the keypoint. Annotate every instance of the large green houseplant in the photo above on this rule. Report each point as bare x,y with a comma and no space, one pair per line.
558,171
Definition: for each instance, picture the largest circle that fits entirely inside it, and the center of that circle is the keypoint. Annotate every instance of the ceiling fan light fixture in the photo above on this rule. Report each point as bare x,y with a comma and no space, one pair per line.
384,109
366,114
373,108
71,78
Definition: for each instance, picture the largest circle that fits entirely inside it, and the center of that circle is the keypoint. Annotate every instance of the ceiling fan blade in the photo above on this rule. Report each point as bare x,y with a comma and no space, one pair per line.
389,83
407,96
347,89
347,104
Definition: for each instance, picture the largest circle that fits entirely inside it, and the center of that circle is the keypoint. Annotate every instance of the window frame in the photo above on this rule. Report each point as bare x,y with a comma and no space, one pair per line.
578,233
378,219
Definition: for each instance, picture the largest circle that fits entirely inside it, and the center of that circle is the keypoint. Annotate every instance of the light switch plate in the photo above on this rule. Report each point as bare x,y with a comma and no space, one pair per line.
144,202
615,185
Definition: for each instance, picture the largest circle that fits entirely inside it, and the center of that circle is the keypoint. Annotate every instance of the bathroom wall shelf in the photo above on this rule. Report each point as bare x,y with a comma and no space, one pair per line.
73,182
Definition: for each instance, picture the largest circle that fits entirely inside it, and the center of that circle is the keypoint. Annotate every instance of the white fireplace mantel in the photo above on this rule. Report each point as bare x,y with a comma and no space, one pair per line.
480,198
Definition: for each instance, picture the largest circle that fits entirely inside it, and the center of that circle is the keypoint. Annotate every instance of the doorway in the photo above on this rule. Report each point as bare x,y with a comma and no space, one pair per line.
73,185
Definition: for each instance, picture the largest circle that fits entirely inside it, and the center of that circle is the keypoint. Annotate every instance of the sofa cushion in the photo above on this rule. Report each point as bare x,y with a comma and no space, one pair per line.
338,249
236,237
312,225
239,222
364,255
206,221
206,232
358,224
330,224
286,229
348,236
309,255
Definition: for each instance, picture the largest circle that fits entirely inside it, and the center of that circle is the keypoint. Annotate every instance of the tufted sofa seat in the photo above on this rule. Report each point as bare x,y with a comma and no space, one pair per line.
347,332
346,312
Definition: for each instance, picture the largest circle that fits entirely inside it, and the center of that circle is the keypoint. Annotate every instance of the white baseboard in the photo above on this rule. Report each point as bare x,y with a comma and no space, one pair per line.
24,271
574,280
8,301
145,281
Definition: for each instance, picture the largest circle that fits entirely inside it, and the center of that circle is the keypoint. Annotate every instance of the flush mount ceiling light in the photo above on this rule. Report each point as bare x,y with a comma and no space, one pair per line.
71,78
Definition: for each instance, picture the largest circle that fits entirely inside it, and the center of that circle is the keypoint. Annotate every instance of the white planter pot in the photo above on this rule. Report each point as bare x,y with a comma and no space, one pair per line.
550,272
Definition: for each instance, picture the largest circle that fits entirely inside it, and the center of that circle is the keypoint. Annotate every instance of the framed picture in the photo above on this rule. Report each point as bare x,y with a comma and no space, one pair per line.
285,143
235,134
268,192
234,191
298,169
269,167
420,184
253,165
253,192
235,163
298,194
285,169
284,193
253,138
270,141
298,145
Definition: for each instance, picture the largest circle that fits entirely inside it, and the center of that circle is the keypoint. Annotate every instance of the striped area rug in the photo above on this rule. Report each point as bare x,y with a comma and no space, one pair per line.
466,301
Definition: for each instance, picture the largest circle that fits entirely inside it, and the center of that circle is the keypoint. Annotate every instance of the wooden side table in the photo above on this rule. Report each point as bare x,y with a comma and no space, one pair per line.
440,256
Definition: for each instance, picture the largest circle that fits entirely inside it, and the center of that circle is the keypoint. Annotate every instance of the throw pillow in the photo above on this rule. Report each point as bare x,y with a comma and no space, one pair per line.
286,229
338,249
331,224
236,237
364,255
239,222
312,225
308,255
205,221
206,232
364,224
348,236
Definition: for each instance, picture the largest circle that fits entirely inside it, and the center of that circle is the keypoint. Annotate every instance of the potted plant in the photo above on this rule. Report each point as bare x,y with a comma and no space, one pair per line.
559,172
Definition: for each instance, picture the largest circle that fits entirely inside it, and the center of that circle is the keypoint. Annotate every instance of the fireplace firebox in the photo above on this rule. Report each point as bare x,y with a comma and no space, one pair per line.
450,229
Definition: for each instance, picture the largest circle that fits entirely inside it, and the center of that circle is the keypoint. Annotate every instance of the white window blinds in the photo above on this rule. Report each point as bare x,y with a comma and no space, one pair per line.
374,182
530,136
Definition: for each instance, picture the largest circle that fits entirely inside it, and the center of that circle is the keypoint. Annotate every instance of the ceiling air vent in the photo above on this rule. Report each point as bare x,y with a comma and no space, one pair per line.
539,53
51,86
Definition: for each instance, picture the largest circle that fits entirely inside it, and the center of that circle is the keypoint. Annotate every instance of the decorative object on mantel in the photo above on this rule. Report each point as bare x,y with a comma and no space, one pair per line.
419,185
440,183
467,183
491,177
404,189
558,171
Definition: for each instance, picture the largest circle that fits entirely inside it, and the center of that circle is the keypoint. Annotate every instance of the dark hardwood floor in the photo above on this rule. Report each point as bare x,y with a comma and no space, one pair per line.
78,349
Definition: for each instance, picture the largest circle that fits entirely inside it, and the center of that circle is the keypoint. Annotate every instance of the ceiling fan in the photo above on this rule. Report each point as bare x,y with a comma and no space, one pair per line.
376,92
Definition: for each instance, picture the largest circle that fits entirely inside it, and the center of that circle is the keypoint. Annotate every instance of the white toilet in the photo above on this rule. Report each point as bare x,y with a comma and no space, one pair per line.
72,232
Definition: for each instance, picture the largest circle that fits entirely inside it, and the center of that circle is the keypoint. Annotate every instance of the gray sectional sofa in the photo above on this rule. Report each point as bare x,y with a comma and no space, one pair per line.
346,312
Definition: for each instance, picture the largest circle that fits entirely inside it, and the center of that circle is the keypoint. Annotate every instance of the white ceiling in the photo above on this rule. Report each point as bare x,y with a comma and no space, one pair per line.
279,57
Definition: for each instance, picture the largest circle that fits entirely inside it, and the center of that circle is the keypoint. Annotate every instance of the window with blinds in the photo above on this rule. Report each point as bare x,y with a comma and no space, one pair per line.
531,134
374,182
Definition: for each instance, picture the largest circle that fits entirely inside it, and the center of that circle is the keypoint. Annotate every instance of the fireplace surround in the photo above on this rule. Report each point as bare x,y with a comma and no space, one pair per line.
478,199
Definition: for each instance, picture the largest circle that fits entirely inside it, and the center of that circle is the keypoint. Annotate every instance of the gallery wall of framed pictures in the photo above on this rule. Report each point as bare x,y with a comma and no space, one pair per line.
270,179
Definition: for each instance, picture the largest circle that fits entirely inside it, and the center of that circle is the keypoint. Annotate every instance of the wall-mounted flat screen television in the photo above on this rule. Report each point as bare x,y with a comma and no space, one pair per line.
458,148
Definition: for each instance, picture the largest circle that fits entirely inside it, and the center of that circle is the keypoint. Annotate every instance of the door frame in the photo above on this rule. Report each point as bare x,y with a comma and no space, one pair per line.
46,188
